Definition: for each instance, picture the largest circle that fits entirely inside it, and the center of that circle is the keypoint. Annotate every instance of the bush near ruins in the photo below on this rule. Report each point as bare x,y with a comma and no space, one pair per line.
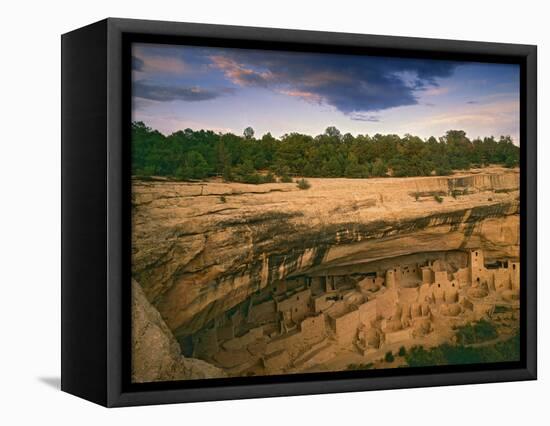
303,184
366,366
402,351
189,154
446,354
478,332
438,198
389,357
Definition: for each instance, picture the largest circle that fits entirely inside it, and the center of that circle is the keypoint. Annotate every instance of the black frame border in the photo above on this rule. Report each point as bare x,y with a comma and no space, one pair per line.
121,32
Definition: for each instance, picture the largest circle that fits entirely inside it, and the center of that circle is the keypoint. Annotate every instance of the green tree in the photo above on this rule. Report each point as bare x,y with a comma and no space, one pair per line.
353,169
303,184
332,168
379,168
194,167
248,133
333,132
246,173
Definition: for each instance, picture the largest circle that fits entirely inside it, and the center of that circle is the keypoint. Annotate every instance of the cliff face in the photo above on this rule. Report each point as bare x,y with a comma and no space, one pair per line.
156,354
200,249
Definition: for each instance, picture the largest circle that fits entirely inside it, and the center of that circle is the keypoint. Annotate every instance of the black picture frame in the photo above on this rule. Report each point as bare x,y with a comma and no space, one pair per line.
96,222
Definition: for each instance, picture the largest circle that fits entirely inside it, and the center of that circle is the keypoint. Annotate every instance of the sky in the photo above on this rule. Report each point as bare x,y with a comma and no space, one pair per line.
227,89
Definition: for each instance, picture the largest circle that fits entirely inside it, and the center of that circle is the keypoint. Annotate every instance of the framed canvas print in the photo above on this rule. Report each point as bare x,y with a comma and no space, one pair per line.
253,212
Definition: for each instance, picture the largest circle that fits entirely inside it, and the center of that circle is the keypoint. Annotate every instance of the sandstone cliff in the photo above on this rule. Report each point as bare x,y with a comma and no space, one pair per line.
156,354
201,248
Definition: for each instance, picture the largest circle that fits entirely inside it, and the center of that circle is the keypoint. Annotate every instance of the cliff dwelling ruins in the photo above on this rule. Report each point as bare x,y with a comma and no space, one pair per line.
303,323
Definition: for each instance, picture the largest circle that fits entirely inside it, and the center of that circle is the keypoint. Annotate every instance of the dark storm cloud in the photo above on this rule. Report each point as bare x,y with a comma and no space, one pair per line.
352,84
156,92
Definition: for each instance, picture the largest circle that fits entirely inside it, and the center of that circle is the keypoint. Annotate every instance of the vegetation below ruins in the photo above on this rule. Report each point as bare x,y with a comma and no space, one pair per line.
189,154
389,357
447,354
353,367
478,332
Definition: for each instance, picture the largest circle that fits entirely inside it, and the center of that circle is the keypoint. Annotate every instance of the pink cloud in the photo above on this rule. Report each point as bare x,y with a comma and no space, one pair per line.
436,91
325,77
160,64
307,96
239,74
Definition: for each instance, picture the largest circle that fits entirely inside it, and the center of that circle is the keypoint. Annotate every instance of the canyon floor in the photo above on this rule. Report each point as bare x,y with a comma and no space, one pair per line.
204,251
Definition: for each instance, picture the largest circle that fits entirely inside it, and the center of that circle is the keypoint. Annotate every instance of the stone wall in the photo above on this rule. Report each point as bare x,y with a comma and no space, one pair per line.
345,327
313,327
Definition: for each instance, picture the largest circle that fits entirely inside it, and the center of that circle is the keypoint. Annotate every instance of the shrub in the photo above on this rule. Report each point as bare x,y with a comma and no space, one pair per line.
389,357
508,350
443,171
438,198
360,366
194,167
286,179
246,173
303,184
269,178
499,309
420,357
402,351
222,199
227,173
454,193
379,168
478,332
253,178
511,162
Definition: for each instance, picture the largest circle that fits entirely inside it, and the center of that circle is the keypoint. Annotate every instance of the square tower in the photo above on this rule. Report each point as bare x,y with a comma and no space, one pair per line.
390,278
477,266
514,275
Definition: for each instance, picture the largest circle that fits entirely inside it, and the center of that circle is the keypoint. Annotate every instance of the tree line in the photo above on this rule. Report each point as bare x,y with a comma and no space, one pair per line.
189,154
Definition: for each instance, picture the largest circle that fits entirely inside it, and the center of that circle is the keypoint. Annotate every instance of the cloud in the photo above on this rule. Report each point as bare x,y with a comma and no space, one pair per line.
158,61
305,95
360,116
156,92
471,102
435,91
162,64
137,63
354,85
239,74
